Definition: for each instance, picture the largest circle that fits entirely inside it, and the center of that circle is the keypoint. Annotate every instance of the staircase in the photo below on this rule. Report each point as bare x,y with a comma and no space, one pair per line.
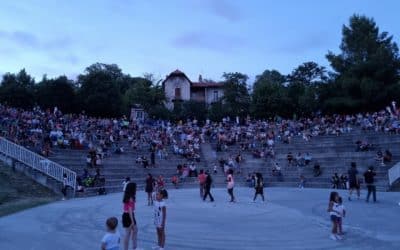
333,153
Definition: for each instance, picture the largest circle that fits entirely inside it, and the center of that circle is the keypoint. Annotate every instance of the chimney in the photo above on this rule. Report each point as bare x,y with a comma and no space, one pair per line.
200,78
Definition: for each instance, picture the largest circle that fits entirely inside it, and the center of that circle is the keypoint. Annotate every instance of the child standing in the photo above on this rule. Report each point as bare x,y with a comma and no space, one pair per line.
230,184
111,239
128,216
342,213
64,187
302,181
259,186
333,212
160,215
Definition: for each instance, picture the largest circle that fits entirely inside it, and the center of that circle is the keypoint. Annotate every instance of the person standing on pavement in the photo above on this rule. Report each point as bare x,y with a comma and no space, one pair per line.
353,181
369,181
207,187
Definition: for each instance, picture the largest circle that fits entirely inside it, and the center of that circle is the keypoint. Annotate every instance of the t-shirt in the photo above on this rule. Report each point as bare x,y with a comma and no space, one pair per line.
353,175
129,204
202,178
231,183
340,209
158,214
111,240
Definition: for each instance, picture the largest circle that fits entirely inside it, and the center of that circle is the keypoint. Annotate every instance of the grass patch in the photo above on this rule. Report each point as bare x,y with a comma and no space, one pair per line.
18,192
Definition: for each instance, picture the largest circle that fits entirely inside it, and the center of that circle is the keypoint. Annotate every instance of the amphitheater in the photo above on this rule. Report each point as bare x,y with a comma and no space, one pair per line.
291,218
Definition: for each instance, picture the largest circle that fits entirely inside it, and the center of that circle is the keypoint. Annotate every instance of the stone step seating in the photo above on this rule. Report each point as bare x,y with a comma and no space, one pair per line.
336,157
116,167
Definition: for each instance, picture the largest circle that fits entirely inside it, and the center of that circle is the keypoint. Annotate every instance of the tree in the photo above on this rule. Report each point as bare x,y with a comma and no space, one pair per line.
145,93
269,95
303,85
236,100
100,90
58,92
367,68
17,90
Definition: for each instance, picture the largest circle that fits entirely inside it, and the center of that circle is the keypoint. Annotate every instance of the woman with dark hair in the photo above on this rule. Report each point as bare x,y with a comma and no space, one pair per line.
128,216
334,214
259,186
230,184
149,189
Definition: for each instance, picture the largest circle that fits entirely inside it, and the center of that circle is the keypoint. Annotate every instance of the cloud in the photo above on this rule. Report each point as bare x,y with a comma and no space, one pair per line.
224,9
21,38
207,40
29,40
305,43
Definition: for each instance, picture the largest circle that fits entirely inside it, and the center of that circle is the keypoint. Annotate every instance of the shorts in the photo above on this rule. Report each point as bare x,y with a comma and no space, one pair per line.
353,185
126,220
334,218
259,190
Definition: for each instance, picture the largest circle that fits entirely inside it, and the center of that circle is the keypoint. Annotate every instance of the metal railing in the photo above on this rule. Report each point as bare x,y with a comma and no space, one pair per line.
37,162
394,173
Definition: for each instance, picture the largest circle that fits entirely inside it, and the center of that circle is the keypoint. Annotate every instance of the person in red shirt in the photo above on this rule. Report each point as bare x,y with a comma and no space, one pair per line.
202,180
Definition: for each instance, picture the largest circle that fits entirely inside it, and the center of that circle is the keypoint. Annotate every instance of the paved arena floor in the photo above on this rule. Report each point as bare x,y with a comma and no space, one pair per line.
289,219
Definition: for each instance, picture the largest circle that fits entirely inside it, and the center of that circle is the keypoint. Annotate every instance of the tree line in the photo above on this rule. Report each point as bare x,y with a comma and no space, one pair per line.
365,76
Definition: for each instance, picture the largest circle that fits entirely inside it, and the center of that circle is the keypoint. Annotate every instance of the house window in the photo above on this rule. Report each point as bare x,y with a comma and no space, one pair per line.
177,93
139,115
215,99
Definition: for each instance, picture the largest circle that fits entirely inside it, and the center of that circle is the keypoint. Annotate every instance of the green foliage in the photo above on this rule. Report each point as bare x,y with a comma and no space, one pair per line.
303,85
269,95
17,90
143,92
236,100
367,67
216,111
57,92
100,90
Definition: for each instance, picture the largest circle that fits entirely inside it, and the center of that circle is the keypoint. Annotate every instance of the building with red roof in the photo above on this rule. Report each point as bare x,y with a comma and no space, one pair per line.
178,87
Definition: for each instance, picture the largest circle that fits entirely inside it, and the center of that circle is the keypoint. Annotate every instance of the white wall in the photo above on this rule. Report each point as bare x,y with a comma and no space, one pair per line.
169,88
210,94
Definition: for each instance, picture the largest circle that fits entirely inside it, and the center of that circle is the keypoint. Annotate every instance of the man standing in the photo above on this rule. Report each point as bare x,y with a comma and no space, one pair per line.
207,187
369,180
353,181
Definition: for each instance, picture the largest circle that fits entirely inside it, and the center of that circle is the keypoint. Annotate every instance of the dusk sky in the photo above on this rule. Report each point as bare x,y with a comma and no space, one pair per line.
205,37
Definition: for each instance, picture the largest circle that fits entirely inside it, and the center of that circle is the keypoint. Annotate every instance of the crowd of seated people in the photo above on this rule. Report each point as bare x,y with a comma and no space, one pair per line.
42,130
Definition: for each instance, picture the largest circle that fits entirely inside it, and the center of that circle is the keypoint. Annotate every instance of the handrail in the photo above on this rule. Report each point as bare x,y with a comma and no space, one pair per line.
394,173
37,162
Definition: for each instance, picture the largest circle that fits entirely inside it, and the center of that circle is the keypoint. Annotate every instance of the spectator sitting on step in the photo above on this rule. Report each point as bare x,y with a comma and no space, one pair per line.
317,169
256,153
343,181
139,159
299,160
276,170
145,162
98,160
307,158
387,157
192,170
174,181
363,146
379,158
290,158
270,153
88,160
79,185
335,180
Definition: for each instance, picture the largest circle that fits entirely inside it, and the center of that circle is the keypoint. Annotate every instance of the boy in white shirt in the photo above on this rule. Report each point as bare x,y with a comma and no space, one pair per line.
111,239
160,214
